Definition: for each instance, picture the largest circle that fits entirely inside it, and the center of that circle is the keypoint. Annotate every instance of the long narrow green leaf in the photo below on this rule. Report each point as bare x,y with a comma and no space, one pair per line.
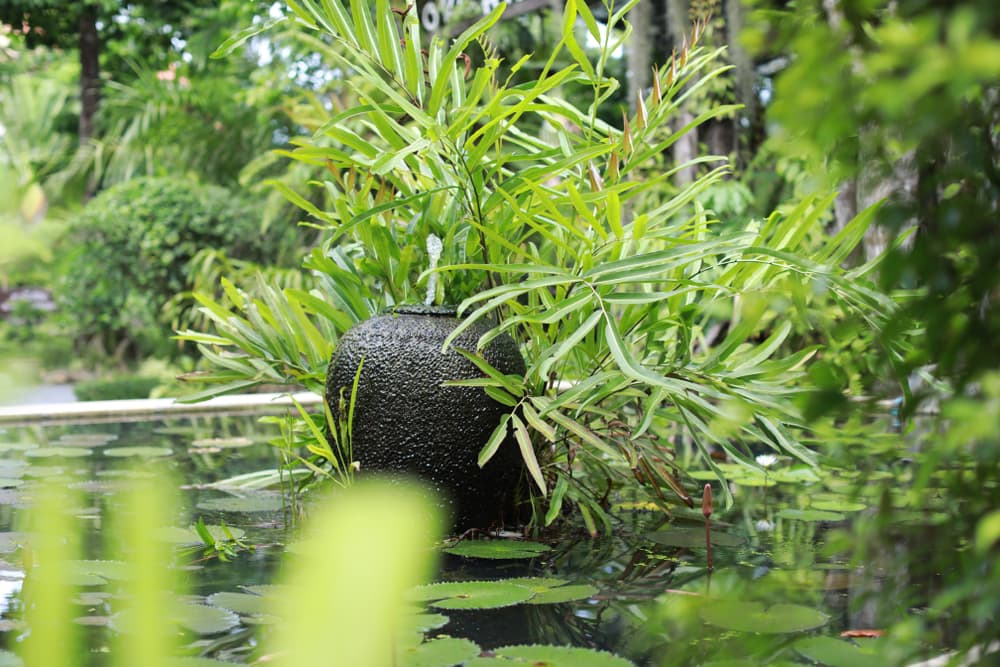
363,29
528,453
218,390
511,383
240,38
555,503
442,78
547,359
587,436
496,439
537,423
569,39
413,65
389,40
338,22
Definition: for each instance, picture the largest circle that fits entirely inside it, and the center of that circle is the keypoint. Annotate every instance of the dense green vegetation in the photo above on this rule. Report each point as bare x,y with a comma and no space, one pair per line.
695,273
128,252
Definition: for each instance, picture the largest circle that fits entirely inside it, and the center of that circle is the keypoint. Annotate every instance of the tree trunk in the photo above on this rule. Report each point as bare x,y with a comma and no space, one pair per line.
90,72
686,147
748,122
845,206
640,51
90,79
898,181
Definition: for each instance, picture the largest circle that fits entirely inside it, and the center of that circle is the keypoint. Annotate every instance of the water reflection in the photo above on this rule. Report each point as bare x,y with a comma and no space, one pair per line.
783,588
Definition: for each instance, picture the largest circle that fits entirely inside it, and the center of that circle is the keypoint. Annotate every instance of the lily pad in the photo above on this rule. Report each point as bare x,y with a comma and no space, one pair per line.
86,439
836,653
471,594
16,446
259,503
754,480
105,569
9,542
12,467
498,549
140,452
425,622
842,505
63,452
244,604
554,591
189,535
43,471
755,617
794,475
811,515
692,537
266,589
221,443
550,656
205,620
444,652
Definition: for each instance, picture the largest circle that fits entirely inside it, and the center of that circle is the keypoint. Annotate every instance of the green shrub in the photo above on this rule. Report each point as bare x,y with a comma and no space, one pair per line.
129,250
116,388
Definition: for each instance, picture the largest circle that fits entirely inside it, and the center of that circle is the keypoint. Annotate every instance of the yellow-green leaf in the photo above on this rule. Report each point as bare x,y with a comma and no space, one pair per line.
528,453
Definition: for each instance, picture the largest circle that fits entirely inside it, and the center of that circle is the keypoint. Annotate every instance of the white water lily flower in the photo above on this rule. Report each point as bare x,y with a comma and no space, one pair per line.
766,460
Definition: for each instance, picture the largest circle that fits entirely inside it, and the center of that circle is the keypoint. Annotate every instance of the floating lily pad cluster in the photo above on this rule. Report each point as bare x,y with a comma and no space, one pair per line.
252,606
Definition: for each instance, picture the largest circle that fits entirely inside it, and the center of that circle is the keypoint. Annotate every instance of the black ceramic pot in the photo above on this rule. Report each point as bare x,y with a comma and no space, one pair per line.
405,421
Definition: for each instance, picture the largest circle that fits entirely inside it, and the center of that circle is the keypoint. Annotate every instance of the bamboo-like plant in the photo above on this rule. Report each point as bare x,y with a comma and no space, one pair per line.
649,330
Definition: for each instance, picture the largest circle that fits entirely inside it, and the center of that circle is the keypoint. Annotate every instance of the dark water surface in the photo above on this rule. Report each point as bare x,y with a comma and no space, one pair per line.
780,593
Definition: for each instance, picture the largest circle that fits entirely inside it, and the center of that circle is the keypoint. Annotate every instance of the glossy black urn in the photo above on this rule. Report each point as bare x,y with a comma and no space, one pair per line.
406,421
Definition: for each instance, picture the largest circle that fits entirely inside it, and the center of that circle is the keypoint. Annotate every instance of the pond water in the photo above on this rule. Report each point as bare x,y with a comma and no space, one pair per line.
781,591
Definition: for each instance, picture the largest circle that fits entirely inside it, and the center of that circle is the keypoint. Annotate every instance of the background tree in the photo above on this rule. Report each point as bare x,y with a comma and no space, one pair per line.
902,98
114,39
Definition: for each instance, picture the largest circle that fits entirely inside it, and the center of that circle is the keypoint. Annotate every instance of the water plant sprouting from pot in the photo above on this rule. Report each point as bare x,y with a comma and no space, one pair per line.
651,333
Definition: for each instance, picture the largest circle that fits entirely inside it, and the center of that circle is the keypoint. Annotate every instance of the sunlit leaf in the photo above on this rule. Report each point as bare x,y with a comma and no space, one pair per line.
837,653
550,590
443,652
244,604
471,594
758,618
498,549
205,620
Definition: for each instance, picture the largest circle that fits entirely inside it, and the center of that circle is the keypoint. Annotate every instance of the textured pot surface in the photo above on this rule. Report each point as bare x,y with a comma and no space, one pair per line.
406,421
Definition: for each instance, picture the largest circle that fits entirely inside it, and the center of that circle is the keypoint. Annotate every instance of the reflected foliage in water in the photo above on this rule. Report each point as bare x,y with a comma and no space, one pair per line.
810,566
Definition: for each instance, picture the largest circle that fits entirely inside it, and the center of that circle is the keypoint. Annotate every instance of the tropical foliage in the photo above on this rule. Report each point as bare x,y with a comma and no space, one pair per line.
128,253
650,330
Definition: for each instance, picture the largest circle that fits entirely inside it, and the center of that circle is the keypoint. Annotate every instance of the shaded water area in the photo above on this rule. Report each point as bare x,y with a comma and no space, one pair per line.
781,592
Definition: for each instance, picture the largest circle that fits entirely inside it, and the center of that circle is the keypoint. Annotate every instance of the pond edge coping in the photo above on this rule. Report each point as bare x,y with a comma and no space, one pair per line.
145,408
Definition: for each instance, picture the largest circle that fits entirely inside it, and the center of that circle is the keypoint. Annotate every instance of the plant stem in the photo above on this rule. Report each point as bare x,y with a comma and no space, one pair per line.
706,510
